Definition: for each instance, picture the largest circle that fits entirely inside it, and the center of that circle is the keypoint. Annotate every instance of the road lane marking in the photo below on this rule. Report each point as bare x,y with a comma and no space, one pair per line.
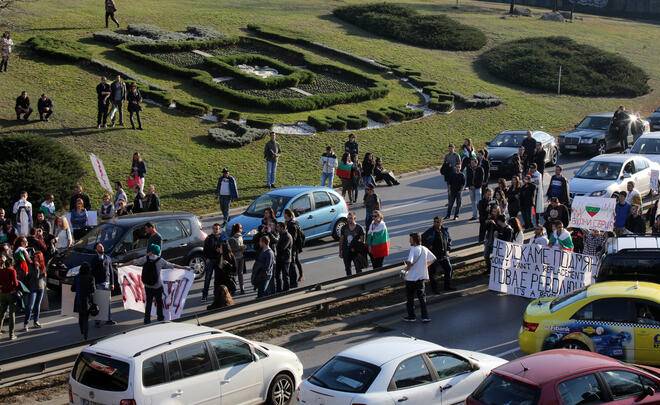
501,344
403,205
318,259
57,321
507,352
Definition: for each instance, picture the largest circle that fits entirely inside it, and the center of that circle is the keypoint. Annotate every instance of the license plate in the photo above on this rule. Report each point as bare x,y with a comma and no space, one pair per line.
493,168
88,402
571,146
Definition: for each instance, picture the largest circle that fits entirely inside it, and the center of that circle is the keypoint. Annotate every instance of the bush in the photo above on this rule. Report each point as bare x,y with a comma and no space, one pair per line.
38,165
321,124
482,102
192,107
335,123
440,105
378,116
408,113
404,24
115,38
234,115
586,70
393,114
203,33
156,33
419,82
406,72
59,48
354,121
220,114
260,122
434,88
235,134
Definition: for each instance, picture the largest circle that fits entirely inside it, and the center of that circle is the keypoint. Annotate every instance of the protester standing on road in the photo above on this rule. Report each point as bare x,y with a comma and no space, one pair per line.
502,202
8,285
84,287
513,196
556,211
225,270
110,10
622,211
452,159
635,223
558,186
139,169
298,235
368,164
283,258
467,152
474,181
104,277
456,186
539,158
356,176
371,204
23,213
134,99
503,231
211,256
351,245
560,238
138,201
527,196
633,197
437,240
351,147
484,210
529,146
537,180
272,152
378,240
103,96
227,192
262,271
120,194
78,194
328,163
238,248
489,237
48,209
594,242
152,201
482,156
63,236
345,173
419,259
518,235
5,50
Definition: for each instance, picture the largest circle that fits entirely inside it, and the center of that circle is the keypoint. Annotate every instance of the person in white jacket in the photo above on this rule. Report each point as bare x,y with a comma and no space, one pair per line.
23,211
537,179
328,164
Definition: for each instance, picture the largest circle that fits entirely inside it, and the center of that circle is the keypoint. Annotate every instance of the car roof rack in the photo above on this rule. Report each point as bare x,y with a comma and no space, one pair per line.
169,342
633,242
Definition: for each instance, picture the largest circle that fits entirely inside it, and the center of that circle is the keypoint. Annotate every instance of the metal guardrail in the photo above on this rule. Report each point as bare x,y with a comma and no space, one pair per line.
30,365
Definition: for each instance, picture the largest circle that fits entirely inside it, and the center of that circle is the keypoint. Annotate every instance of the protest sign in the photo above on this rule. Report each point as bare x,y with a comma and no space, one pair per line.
176,284
536,271
92,218
595,213
101,174
101,298
654,180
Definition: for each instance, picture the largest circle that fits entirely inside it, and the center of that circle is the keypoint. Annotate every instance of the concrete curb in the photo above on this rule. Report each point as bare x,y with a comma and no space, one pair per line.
370,318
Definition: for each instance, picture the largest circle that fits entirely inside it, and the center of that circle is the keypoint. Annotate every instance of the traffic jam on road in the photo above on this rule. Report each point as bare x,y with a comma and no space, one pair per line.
590,332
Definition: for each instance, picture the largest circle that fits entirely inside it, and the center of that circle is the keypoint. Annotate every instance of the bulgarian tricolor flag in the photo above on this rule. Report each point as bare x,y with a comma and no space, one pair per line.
378,239
344,170
565,240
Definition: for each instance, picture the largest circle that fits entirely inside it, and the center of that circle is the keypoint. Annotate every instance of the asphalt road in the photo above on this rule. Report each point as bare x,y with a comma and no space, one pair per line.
408,207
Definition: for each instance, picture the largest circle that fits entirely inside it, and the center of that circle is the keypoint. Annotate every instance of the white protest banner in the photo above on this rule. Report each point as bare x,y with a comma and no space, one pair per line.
536,271
101,174
176,284
595,213
654,180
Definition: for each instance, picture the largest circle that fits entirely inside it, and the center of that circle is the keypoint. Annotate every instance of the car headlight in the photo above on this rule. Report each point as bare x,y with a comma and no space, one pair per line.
586,140
598,193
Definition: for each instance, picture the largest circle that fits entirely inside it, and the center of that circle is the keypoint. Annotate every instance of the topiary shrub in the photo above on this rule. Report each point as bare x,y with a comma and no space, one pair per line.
419,82
321,124
156,33
59,48
220,114
434,88
408,113
440,105
482,102
192,107
406,72
235,134
38,165
335,123
112,37
260,122
405,24
393,114
378,116
586,70
354,121
234,115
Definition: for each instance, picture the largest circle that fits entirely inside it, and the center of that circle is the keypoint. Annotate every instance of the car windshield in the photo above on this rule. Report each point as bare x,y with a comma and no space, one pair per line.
497,390
595,123
258,206
566,300
346,375
107,234
599,170
508,139
649,146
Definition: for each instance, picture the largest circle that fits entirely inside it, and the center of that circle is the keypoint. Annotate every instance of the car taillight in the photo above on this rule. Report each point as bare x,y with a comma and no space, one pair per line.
70,395
529,326
127,402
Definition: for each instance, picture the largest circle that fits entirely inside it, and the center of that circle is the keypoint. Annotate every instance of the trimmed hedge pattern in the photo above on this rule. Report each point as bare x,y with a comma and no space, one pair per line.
293,76
260,122
59,48
405,24
586,70
235,134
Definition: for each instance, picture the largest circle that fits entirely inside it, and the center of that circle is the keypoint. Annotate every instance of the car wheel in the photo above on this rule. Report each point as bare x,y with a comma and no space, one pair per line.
336,230
281,390
197,264
573,345
602,149
555,157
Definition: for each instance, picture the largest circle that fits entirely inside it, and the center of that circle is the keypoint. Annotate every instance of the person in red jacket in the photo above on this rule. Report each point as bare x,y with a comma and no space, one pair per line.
8,284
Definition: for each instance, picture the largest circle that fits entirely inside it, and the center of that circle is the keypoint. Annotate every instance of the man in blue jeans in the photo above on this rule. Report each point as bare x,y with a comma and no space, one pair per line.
272,152
211,256
103,276
227,192
262,272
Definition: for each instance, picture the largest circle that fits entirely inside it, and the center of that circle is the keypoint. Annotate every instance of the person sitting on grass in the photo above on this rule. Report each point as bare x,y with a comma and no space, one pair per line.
23,106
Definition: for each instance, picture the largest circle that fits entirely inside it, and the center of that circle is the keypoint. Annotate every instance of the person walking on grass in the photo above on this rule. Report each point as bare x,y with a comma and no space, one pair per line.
138,169
378,240
417,264
45,107
103,102
5,50
345,172
328,164
110,10
134,99
272,152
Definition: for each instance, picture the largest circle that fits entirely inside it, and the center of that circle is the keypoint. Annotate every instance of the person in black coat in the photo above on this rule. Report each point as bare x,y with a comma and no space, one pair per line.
539,157
104,276
635,223
103,103
473,182
484,163
456,186
134,99
225,271
484,211
527,198
84,287
437,240
23,106
283,258
78,190
45,107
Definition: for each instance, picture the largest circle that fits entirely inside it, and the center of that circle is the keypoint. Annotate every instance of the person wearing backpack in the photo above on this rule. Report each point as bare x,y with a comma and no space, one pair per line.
298,235
152,264
104,276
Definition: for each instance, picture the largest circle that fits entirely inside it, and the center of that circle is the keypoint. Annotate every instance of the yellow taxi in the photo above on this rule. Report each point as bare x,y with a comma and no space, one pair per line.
620,319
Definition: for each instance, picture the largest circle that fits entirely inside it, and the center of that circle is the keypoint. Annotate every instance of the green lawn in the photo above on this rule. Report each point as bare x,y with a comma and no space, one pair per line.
184,164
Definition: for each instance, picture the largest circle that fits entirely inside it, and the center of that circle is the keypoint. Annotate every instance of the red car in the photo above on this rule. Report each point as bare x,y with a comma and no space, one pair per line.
568,377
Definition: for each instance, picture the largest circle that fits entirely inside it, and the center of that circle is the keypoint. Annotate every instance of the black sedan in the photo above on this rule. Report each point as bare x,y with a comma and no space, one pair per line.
506,144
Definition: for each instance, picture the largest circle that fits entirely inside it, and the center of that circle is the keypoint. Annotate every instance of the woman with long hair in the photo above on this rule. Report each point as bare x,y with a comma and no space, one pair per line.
238,248
368,164
513,196
378,240
221,298
139,169
8,234
500,198
484,163
21,257
345,172
36,283
225,270
467,152
494,212
518,235
79,219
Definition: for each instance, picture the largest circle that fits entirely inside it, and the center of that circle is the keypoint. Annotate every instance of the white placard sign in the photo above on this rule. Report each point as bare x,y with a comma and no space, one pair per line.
176,284
101,174
654,180
595,213
92,218
101,298
536,271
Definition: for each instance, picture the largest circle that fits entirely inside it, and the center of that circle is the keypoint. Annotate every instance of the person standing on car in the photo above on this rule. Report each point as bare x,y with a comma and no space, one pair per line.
474,181
529,146
635,223
447,169
558,187
351,245
272,152
227,192
456,186
104,277
417,264
438,241
84,287
283,258
328,163
298,235
622,211
211,256
262,271
153,291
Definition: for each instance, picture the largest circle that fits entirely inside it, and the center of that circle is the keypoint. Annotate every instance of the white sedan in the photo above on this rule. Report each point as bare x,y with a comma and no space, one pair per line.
395,370
648,145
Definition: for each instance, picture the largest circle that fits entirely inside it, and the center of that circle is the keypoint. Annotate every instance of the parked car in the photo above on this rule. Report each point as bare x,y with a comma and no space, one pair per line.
568,377
180,363
631,258
607,175
648,145
502,148
394,370
619,319
595,136
320,211
654,120
124,239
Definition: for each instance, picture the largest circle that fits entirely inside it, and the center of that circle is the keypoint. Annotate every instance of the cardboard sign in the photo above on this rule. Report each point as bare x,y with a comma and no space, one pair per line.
536,271
595,213
176,285
92,218
101,174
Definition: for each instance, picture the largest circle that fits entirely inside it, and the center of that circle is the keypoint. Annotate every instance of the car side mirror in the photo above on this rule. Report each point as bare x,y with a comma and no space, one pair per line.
255,357
648,392
488,143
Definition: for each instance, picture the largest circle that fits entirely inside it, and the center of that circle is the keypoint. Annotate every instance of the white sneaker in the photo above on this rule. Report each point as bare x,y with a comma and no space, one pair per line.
26,329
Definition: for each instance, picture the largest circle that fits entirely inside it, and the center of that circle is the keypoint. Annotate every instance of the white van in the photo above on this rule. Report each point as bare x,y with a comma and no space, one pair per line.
177,363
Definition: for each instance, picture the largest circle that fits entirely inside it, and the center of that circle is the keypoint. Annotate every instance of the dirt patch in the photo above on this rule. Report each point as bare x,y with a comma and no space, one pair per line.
40,390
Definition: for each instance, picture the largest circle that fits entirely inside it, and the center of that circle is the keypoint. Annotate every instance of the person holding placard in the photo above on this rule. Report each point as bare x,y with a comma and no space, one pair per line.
539,237
635,222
